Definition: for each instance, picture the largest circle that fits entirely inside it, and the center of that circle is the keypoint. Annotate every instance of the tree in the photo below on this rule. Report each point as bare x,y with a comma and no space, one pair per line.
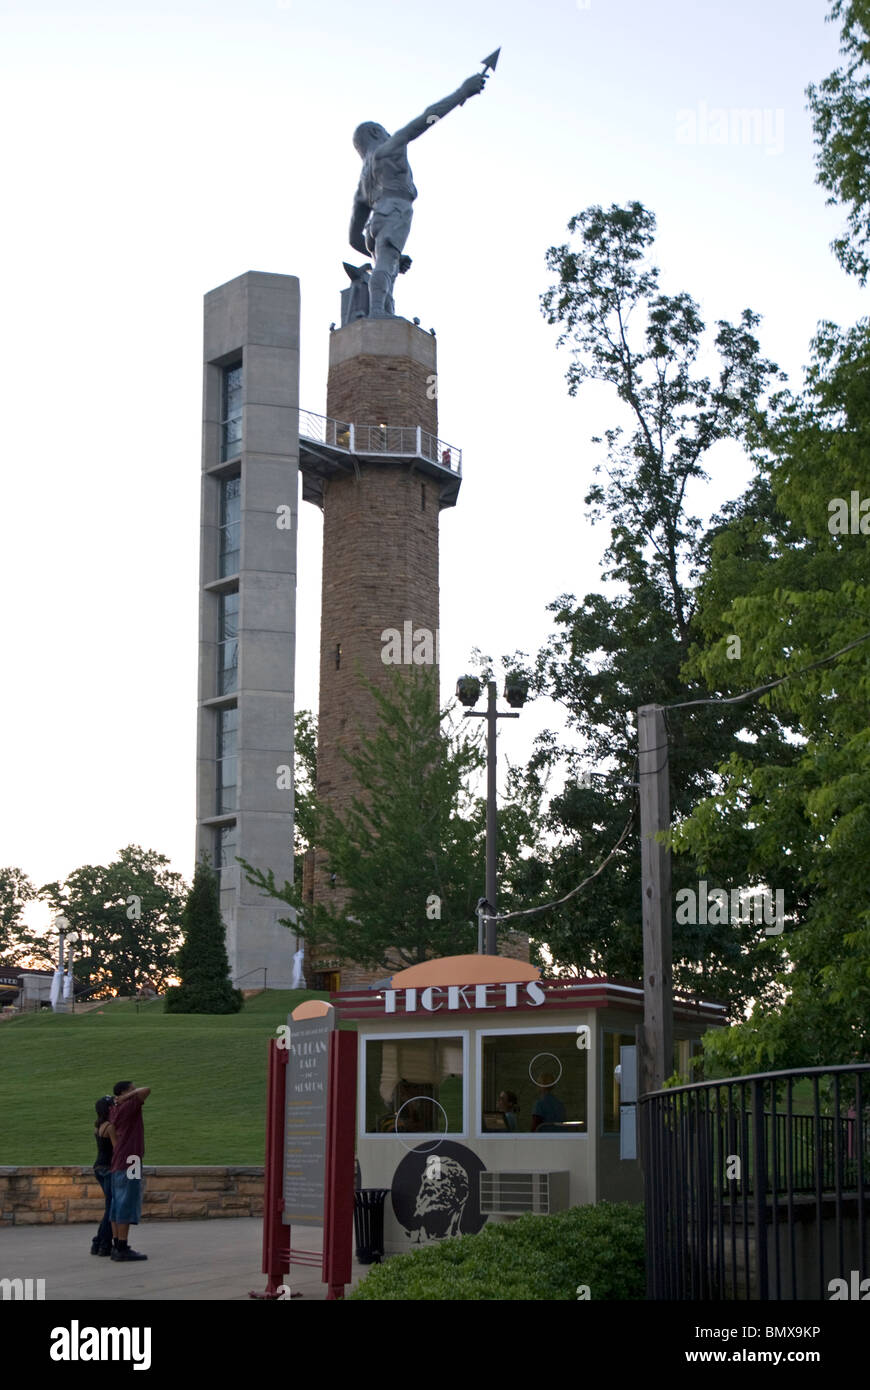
202,961
127,915
840,107
804,594
16,941
794,579
610,654
410,850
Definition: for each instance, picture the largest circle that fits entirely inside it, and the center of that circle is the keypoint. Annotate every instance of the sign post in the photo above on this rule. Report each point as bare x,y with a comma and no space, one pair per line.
276,1252
339,1195
310,1126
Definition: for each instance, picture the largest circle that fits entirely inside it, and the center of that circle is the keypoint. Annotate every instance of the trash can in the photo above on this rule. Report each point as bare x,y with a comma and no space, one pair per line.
368,1224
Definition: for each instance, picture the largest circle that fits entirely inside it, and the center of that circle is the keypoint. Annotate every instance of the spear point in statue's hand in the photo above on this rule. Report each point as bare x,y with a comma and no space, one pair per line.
473,86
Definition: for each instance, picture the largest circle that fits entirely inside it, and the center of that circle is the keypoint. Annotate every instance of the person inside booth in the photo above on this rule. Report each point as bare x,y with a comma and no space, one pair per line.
510,1108
548,1109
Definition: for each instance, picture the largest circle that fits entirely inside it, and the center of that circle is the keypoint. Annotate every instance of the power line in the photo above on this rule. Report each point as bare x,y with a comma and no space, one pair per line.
683,704
771,685
652,771
545,907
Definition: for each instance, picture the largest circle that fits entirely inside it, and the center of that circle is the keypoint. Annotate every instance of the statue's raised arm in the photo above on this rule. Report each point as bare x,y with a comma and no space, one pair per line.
383,203
471,87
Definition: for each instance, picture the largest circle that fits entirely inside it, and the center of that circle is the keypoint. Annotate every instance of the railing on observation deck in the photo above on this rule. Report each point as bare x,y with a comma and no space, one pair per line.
758,1187
400,441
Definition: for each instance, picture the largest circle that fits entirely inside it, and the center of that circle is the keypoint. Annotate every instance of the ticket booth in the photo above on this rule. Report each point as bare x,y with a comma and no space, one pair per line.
485,1092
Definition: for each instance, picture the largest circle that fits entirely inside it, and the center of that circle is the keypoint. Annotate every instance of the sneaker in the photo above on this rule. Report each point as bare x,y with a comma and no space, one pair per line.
126,1255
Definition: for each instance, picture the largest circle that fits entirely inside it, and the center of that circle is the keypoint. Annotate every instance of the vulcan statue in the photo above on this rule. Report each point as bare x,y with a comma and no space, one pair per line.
382,207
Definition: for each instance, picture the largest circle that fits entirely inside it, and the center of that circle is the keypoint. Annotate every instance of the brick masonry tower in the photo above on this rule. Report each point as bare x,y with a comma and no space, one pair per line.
381,475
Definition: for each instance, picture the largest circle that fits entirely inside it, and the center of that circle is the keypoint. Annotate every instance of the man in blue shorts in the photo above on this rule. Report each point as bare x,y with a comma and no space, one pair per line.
128,1134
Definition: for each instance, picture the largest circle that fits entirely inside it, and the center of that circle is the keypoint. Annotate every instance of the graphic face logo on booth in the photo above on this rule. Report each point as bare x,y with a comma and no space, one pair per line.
463,997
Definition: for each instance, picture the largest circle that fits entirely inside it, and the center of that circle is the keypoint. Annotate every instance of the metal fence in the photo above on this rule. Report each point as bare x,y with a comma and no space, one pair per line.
399,441
756,1187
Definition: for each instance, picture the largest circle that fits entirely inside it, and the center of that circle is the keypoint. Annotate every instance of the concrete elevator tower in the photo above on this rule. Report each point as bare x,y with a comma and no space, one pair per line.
376,467
247,610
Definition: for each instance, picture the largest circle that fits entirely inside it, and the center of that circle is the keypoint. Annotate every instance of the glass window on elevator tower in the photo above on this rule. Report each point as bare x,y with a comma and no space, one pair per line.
227,763
230,526
228,643
231,422
225,854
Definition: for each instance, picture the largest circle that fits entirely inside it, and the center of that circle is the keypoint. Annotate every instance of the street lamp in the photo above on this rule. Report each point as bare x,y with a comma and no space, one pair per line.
515,692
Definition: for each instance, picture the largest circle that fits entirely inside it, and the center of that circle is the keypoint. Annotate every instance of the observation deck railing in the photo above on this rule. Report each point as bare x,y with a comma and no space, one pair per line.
396,441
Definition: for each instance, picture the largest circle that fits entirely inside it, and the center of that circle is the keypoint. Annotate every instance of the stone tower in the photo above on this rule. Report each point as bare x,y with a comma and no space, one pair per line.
381,475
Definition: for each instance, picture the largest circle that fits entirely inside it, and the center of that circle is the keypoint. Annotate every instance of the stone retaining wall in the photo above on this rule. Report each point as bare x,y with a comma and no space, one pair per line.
57,1196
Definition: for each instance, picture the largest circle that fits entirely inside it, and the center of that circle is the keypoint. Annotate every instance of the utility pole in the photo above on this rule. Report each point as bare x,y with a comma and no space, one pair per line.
490,716
656,1036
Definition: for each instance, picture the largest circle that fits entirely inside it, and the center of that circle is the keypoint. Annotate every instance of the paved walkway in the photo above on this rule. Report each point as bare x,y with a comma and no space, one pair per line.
189,1260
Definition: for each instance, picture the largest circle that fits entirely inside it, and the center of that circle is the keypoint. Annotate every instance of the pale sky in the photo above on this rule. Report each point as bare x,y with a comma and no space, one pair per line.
154,151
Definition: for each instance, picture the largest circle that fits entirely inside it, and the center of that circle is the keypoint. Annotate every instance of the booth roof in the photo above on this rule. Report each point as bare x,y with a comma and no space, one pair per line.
465,970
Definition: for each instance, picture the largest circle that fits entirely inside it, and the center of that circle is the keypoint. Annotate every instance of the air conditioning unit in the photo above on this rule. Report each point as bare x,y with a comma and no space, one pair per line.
510,1194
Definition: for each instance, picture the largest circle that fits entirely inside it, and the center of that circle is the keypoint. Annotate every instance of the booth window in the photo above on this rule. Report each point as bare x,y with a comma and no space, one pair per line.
610,1061
414,1085
533,1083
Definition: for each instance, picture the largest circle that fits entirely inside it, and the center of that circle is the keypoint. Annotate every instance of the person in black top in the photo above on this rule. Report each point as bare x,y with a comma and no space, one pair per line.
102,1242
510,1108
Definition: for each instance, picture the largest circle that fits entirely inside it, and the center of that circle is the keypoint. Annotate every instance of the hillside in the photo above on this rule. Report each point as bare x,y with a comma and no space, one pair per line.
208,1075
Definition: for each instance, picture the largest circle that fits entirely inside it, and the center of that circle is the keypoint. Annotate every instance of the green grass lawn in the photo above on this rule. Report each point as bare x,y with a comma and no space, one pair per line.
207,1073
